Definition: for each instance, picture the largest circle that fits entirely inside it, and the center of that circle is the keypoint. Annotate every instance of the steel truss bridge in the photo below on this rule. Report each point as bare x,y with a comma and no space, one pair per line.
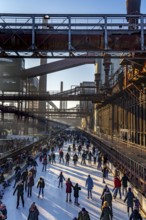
72,35
31,112
56,97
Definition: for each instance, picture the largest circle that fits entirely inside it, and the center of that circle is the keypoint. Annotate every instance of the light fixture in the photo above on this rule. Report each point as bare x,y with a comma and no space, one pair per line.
46,17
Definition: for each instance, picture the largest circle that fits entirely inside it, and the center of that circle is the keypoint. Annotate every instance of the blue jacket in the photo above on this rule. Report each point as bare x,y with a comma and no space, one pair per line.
89,183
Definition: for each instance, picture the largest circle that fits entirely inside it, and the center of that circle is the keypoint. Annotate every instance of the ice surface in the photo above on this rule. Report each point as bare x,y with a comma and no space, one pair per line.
53,206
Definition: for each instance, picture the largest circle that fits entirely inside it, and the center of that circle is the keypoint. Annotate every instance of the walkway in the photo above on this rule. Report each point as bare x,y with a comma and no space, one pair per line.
53,206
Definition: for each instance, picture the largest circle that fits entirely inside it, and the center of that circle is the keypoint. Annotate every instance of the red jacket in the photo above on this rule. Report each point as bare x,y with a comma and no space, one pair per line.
69,187
117,182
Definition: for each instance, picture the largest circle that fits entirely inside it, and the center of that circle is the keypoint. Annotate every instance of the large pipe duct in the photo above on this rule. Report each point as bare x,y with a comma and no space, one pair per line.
133,8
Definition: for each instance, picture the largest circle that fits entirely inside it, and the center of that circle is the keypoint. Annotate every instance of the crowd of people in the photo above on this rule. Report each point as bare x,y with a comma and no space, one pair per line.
83,152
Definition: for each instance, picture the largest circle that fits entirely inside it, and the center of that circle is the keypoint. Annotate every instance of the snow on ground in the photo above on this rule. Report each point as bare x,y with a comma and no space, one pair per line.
53,206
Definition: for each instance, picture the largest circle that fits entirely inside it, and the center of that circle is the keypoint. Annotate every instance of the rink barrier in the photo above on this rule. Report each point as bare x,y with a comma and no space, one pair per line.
123,163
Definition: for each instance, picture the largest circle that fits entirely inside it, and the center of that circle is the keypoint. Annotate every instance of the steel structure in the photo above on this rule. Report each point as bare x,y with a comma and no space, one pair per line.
56,97
71,35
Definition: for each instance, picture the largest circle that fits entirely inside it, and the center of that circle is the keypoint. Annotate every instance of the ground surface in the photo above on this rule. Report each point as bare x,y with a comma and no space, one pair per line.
53,206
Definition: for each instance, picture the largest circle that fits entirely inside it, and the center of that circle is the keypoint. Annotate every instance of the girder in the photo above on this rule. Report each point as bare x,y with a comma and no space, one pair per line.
30,111
55,66
24,35
57,97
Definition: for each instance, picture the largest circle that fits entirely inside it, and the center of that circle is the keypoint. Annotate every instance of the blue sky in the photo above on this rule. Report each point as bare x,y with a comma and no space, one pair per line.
75,75
66,6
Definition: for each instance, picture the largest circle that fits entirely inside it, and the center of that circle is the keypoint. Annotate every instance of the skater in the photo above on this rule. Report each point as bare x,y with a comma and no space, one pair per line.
33,212
104,173
41,186
135,215
53,156
106,213
67,158
89,184
68,190
117,187
99,162
83,215
20,192
61,156
130,200
25,178
75,159
61,178
17,177
30,184
124,182
76,193
44,163
3,211
103,192
83,161
137,203
108,197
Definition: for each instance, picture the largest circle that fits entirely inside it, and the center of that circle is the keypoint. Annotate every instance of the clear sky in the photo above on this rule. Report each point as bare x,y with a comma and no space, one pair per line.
75,75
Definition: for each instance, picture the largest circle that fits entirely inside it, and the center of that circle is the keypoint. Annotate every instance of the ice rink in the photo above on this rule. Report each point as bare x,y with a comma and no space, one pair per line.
54,206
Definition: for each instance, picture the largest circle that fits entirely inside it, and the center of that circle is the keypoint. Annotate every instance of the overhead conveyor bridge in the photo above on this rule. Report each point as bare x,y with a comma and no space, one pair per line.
71,35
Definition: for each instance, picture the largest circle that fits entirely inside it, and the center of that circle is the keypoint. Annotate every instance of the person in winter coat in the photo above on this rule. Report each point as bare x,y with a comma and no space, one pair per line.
68,190
130,200
124,182
103,192
20,192
2,217
17,177
89,185
76,193
61,156
137,203
67,158
117,187
41,186
99,162
24,177
83,215
3,211
30,184
83,161
61,178
44,163
135,215
106,213
104,172
33,212
75,159
108,197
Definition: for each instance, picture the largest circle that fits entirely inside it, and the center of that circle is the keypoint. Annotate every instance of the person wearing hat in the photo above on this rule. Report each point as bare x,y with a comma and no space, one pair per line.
106,213
83,215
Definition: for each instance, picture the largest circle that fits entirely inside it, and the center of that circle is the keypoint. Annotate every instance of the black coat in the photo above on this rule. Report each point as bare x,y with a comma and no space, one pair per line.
124,181
33,214
76,191
41,184
135,215
19,188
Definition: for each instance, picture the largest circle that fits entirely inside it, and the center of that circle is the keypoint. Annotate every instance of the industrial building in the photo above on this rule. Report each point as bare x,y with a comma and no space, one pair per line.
112,109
